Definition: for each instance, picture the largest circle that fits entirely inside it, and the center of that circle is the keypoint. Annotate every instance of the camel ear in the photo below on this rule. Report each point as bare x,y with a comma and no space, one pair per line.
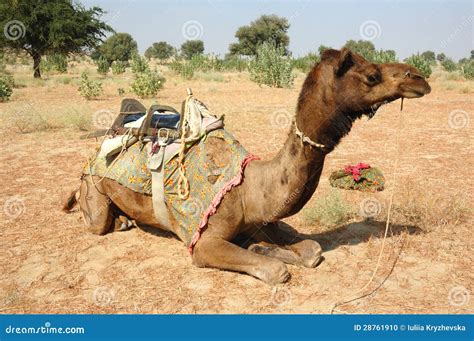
346,61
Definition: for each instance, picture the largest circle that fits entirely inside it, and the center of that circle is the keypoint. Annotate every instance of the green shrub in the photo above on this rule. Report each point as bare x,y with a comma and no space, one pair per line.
89,89
420,63
103,66
118,67
271,67
147,84
54,62
121,91
182,68
468,69
235,63
5,88
206,63
329,210
306,63
449,65
139,64
381,56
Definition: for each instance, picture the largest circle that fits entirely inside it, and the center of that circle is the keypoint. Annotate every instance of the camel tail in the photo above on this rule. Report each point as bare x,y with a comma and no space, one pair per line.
71,201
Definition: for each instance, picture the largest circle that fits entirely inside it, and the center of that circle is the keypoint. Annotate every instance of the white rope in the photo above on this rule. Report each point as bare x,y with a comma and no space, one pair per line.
351,297
306,139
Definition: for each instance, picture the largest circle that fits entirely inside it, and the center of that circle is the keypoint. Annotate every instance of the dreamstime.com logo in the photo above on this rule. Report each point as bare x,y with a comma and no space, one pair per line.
370,208
370,30
14,30
14,207
281,118
280,296
103,296
458,296
46,329
103,119
458,119
192,30
193,207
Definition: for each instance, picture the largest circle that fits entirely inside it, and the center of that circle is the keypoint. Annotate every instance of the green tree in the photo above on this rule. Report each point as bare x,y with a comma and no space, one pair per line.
191,48
449,65
420,63
120,46
161,50
48,27
271,67
440,57
268,28
363,47
429,56
323,48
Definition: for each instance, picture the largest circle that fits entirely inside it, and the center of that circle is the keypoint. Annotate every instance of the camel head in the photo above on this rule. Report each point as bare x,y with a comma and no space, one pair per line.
361,87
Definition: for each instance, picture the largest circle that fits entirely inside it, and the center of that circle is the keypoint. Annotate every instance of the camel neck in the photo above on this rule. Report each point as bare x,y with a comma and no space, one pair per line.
282,186
299,166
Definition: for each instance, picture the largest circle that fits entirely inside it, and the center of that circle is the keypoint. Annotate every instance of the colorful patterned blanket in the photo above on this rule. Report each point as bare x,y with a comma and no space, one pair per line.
209,179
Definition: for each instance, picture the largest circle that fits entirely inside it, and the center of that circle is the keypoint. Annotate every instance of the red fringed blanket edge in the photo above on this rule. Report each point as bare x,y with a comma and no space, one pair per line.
212,209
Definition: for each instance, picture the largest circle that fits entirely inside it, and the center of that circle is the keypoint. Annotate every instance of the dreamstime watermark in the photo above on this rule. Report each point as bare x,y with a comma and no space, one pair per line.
466,23
192,30
281,118
370,207
280,296
370,30
458,119
193,207
276,212
103,296
458,296
103,118
14,30
14,207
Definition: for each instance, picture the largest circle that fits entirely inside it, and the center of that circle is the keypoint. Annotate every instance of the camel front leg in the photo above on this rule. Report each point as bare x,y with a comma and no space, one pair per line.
218,253
273,241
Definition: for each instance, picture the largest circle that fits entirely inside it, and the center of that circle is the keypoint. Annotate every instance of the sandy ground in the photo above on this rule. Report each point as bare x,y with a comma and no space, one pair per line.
49,264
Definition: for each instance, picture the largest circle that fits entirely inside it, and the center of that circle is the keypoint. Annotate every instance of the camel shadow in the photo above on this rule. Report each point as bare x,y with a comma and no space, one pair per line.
352,233
348,234
157,232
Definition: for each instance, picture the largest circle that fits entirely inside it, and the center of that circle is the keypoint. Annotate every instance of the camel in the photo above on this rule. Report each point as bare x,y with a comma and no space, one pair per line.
339,89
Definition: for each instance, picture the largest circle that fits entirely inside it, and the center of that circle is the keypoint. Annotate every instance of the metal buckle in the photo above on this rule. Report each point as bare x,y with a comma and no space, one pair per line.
163,139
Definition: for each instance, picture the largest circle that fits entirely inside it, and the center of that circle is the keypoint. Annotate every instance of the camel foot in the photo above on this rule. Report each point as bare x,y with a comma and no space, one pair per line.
309,252
305,253
285,255
122,223
275,274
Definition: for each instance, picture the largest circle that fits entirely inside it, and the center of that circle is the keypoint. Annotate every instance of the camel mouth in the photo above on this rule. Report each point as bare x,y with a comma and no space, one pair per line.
416,92
413,93
374,107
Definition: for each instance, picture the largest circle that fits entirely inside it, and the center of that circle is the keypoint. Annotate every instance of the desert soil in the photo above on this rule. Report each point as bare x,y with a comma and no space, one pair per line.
50,264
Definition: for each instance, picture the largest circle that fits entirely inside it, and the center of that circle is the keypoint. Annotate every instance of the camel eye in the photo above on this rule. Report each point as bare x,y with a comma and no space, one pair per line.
372,79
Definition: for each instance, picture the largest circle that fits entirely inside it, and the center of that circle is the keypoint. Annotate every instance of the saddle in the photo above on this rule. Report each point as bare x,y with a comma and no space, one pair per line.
136,120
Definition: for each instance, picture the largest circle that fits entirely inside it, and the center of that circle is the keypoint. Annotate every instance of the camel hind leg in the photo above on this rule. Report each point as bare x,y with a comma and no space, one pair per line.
96,207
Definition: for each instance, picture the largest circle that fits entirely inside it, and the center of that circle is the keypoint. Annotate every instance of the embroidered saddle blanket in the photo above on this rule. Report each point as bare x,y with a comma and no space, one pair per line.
209,180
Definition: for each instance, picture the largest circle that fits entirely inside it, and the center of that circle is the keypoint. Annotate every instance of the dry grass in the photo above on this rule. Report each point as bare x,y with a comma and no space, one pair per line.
329,210
49,263
28,119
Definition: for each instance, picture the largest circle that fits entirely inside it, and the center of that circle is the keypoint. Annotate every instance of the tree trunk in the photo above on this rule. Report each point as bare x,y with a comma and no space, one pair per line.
36,65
